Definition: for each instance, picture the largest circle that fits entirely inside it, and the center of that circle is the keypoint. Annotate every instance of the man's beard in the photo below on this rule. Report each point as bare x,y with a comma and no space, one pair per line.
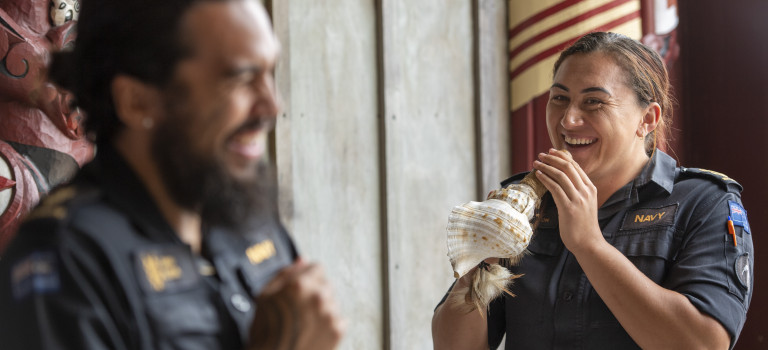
202,183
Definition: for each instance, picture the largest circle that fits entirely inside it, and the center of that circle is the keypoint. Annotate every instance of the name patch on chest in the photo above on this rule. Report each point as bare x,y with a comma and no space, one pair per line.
642,218
261,251
165,269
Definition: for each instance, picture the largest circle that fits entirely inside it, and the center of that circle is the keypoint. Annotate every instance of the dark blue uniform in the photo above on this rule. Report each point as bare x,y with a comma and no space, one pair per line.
96,266
672,223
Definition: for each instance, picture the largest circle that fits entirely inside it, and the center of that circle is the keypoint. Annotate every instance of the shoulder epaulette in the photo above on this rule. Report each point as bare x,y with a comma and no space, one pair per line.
57,204
514,179
723,180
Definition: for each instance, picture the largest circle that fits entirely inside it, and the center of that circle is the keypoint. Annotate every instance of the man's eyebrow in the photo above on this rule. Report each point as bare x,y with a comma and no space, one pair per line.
243,71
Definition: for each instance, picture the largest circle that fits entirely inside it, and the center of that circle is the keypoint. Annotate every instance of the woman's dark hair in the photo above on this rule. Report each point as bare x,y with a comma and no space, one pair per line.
139,38
645,70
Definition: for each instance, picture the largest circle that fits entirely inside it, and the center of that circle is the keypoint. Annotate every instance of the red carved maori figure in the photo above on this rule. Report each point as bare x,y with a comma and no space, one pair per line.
41,141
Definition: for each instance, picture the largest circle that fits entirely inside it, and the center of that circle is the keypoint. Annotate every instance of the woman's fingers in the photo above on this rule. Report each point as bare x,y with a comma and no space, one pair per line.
559,178
563,177
564,154
563,161
552,186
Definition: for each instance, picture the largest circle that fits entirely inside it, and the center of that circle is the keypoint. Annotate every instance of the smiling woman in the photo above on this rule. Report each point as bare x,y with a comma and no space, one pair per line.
630,250
594,114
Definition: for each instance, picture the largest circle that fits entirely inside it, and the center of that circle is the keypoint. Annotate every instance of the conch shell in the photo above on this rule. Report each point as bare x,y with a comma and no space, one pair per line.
499,227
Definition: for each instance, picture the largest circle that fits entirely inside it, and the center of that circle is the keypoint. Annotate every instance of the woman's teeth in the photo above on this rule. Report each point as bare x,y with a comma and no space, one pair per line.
578,141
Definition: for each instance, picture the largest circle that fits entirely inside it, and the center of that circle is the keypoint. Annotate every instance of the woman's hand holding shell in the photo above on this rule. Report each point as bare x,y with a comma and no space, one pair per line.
498,227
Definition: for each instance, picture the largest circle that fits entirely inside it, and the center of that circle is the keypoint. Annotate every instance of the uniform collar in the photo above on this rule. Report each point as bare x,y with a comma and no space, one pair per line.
124,190
659,171
658,174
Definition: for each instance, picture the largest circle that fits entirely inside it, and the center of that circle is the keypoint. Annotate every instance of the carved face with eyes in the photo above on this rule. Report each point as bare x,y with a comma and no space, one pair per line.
63,11
29,104
594,114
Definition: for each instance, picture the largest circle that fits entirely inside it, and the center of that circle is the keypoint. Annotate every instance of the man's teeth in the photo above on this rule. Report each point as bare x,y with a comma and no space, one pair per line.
248,138
576,141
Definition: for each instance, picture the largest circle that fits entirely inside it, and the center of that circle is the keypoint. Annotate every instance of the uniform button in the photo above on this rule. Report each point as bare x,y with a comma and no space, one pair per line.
240,303
567,296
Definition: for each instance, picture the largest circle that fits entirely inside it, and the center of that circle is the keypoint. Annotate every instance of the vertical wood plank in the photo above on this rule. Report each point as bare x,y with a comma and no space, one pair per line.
382,141
280,143
492,92
430,152
328,152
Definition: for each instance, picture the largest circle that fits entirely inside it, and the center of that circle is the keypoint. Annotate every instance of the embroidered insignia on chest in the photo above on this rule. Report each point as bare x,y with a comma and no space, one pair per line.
261,251
36,274
641,218
739,215
166,269
742,270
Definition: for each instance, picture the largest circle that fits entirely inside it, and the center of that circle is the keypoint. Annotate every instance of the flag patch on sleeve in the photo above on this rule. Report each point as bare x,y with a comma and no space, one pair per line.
739,215
36,274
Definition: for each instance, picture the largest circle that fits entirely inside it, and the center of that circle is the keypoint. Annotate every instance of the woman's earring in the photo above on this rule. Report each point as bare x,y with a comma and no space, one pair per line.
147,123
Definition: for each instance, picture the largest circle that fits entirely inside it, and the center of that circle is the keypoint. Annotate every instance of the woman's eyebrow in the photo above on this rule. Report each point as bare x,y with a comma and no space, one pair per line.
589,89
596,88
559,86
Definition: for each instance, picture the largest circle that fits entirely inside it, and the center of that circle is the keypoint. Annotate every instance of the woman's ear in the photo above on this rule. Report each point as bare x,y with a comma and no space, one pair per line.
137,104
650,120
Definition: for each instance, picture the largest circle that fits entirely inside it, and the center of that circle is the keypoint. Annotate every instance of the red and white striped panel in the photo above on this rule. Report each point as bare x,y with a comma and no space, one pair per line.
540,29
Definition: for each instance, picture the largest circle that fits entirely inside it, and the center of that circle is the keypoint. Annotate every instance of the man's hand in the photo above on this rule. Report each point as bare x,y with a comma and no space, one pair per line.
296,310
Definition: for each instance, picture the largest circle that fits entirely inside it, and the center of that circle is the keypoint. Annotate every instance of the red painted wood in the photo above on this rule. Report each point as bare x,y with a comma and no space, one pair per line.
522,138
6,183
529,133
646,13
724,59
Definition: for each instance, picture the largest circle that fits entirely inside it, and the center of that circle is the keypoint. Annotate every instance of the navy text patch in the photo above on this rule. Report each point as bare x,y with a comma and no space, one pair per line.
642,218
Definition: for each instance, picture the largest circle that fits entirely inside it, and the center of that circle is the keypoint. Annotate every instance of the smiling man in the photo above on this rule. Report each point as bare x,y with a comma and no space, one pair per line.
169,238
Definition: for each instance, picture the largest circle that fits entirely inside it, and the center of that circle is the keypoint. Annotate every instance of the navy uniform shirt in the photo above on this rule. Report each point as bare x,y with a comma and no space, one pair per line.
96,266
671,222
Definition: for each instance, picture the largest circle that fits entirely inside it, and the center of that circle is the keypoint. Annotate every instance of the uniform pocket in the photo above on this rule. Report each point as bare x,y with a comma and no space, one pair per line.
187,320
178,303
651,250
546,241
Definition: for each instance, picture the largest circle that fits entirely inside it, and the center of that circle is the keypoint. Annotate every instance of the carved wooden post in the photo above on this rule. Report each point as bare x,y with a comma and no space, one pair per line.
41,141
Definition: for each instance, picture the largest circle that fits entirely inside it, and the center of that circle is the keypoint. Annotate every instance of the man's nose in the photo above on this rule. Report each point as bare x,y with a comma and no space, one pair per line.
267,103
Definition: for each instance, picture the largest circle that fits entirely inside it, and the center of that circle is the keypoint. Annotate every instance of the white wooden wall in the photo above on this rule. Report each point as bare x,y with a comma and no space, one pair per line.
384,102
